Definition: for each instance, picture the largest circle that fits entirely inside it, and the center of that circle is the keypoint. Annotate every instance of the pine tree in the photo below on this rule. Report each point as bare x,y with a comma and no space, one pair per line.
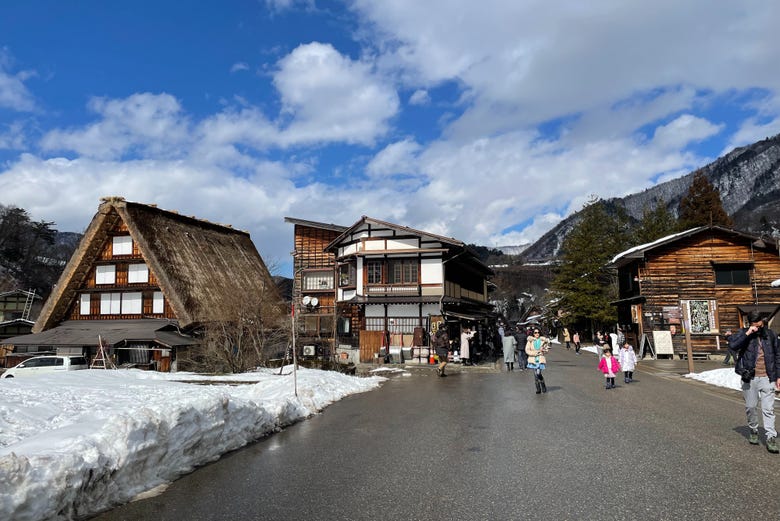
584,284
702,205
656,223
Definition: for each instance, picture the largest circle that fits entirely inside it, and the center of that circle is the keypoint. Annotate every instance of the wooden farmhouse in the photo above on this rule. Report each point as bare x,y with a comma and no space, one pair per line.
146,281
394,285
712,275
314,287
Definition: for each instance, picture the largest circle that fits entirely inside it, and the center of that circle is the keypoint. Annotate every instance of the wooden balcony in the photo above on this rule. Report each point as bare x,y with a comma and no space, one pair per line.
392,289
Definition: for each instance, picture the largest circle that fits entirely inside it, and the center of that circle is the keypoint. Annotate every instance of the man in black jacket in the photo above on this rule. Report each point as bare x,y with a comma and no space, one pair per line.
521,337
441,343
758,363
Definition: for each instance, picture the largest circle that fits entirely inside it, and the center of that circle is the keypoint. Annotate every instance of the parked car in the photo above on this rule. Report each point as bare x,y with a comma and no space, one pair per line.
46,364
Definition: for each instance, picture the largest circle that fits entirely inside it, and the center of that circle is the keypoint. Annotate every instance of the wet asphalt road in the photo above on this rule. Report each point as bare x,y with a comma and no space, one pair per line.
484,446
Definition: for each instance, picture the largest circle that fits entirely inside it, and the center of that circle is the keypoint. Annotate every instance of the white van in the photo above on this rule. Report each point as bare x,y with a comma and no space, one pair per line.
46,364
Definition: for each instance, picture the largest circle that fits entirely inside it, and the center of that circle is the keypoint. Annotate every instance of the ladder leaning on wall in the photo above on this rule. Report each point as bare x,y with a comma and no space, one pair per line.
102,360
28,304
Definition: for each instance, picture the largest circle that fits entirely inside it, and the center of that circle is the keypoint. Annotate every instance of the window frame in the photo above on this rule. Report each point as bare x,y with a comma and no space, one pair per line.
122,245
373,268
347,275
139,271
158,299
105,274
312,280
407,270
85,303
132,303
111,303
728,270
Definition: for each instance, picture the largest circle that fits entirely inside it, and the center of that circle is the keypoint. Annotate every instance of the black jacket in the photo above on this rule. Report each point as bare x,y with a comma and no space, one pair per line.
745,350
441,343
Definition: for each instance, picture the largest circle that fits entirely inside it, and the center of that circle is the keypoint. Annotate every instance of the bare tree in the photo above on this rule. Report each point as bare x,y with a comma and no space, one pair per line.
246,338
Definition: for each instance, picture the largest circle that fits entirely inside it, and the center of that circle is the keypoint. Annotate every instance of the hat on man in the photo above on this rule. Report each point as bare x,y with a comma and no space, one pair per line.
754,316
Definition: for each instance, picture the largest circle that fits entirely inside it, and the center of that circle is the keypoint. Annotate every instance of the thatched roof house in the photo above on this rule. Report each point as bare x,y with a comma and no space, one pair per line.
202,269
146,280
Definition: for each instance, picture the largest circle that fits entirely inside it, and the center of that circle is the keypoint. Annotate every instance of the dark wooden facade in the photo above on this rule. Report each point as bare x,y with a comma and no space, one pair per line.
121,263
314,277
714,275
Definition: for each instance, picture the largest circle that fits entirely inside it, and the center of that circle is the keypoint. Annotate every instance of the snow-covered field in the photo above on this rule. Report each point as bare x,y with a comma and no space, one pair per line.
76,443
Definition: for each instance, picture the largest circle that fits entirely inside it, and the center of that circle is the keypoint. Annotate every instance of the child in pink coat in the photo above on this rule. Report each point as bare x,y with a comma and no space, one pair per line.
610,366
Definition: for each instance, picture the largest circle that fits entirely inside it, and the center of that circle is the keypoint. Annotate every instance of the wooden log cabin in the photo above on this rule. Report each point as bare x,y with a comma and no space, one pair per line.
146,281
711,274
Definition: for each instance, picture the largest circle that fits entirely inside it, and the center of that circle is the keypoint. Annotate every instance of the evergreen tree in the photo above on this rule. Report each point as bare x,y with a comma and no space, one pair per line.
702,205
29,255
656,223
584,284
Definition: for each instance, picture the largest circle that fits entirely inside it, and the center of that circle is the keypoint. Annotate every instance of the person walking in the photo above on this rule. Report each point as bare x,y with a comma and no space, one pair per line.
627,360
441,342
610,366
728,357
576,339
758,363
536,347
620,339
567,338
521,337
465,346
508,343
600,343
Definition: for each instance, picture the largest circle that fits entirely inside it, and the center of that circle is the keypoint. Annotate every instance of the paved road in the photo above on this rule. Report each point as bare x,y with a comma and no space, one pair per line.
484,446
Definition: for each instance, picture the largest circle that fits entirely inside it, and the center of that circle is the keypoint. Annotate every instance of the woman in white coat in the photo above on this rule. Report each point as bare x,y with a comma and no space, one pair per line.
465,349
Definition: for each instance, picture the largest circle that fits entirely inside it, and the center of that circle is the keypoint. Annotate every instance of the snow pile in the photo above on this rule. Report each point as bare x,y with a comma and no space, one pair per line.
77,443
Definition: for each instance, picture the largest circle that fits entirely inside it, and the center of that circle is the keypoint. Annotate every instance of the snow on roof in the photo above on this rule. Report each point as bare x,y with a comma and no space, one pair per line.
651,244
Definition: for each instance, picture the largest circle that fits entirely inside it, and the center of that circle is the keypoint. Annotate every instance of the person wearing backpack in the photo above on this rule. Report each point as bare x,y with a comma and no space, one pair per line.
441,343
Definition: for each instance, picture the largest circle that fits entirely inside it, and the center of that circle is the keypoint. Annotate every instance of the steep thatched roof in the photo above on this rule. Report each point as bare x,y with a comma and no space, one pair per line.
206,271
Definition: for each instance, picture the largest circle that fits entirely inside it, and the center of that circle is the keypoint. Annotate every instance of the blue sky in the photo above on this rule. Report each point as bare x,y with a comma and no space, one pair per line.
487,121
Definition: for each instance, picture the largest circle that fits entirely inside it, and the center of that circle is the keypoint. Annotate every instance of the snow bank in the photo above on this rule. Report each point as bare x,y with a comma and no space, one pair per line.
78,443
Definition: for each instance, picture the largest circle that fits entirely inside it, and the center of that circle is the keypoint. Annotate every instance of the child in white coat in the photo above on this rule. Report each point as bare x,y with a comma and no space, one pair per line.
627,359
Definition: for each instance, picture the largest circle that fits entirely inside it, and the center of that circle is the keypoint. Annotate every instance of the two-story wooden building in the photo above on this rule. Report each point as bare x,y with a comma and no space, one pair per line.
314,286
145,280
395,284
711,274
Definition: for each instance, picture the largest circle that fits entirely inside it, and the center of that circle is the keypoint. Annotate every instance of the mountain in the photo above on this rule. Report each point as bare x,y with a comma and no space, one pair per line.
513,250
748,179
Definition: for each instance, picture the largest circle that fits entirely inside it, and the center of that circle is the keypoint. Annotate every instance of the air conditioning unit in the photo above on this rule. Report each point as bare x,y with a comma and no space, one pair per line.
309,350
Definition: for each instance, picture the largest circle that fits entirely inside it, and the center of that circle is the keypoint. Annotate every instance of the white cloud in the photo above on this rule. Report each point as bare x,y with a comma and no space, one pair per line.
14,94
683,130
551,104
420,97
752,131
12,136
146,124
239,66
530,62
395,158
329,97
